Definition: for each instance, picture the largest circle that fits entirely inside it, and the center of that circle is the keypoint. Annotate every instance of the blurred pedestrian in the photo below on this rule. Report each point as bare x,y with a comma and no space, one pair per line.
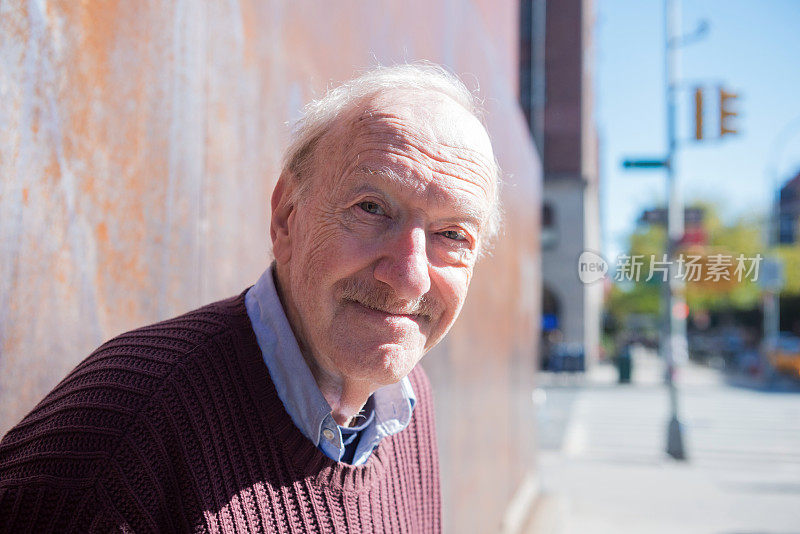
624,361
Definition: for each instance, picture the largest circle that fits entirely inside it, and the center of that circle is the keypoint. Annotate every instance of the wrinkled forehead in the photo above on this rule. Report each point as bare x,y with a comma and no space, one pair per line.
426,126
435,115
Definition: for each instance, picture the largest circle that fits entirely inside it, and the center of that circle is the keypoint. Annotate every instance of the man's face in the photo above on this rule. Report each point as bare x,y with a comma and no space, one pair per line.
379,251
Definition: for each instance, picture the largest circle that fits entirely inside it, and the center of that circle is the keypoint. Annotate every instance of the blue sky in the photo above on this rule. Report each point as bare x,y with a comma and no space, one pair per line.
751,48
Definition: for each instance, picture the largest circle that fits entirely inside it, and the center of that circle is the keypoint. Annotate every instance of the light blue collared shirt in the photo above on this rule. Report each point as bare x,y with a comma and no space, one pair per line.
391,405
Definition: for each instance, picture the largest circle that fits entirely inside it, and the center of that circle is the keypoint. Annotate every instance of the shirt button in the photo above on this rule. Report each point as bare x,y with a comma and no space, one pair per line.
328,433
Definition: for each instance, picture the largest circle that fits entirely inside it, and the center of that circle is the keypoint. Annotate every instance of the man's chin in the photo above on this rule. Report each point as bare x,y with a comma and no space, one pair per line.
385,364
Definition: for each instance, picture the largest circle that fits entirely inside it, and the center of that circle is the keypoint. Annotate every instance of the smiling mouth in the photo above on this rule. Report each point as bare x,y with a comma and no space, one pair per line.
412,316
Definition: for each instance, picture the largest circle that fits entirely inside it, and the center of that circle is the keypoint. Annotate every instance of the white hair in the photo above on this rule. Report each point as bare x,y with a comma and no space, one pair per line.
320,115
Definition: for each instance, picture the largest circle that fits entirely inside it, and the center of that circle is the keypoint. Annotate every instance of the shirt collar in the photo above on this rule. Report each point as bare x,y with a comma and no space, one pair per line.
294,383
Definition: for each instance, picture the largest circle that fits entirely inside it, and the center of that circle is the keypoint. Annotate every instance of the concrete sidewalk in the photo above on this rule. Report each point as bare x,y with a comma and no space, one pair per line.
603,468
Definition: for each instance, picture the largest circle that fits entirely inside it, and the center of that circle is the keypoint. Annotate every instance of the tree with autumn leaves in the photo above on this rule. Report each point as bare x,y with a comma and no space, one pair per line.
742,240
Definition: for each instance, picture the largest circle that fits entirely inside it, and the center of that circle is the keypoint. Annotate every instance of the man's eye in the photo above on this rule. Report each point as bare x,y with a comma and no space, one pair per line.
371,207
455,235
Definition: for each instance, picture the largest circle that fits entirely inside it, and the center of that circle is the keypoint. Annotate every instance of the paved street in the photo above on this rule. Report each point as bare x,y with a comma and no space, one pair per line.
603,469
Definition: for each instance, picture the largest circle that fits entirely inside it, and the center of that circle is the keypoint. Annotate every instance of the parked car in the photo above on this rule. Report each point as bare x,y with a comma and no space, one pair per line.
783,354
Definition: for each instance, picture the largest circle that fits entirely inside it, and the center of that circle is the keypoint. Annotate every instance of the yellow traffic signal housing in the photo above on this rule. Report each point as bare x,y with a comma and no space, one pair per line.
698,113
725,112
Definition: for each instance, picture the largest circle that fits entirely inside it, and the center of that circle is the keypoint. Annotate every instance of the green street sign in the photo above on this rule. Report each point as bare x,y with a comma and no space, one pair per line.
644,163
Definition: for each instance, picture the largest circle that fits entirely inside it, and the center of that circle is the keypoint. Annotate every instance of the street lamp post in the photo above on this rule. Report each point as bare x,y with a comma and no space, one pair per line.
674,346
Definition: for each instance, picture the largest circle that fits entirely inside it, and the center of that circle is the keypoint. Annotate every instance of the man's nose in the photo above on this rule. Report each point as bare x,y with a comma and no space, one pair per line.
404,264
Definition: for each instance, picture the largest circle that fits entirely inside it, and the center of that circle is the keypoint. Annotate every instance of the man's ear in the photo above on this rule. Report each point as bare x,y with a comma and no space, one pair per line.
281,218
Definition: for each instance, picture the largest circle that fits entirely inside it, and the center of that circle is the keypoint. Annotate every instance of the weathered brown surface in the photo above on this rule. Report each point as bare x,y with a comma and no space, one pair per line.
139,143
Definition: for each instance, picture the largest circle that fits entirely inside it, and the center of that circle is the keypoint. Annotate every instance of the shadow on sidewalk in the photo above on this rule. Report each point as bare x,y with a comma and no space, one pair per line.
763,383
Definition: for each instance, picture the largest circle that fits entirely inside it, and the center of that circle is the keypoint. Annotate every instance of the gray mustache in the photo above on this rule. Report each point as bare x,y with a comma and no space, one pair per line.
381,298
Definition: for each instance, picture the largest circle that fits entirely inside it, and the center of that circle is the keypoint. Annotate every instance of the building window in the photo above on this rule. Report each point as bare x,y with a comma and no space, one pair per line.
549,230
531,67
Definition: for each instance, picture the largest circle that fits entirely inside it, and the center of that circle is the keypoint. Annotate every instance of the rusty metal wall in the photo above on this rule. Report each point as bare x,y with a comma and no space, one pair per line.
139,143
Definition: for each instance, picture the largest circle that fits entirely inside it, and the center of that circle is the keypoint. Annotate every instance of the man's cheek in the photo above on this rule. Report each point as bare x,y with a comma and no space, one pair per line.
456,284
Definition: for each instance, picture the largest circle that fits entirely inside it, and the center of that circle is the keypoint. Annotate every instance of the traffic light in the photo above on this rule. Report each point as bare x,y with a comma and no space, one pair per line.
725,112
698,113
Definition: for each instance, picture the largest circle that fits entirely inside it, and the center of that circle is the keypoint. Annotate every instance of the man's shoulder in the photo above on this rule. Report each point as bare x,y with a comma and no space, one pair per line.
144,357
183,333
91,409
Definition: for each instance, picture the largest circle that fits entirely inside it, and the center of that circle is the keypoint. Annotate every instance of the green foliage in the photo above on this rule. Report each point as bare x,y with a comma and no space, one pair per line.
640,297
790,255
745,236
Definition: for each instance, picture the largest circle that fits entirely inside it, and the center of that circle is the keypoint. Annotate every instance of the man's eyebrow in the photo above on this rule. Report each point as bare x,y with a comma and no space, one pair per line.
467,211
386,172
468,215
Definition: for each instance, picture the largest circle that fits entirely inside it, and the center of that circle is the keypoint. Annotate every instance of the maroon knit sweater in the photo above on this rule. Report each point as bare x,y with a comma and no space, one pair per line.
176,427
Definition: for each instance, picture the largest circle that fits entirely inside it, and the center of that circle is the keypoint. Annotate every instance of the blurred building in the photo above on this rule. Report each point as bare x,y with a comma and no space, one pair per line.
561,115
531,67
694,230
789,211
139,144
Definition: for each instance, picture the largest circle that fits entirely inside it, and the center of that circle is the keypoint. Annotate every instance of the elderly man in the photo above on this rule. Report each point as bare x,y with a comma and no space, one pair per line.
297,406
